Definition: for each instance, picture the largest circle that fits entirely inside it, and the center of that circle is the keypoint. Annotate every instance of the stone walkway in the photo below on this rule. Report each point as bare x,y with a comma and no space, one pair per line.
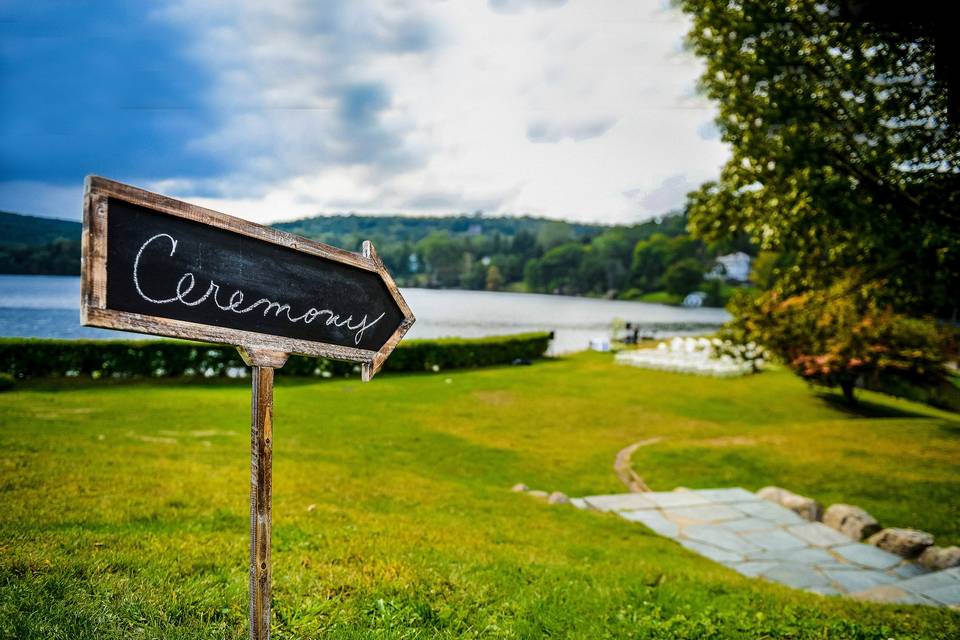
759,538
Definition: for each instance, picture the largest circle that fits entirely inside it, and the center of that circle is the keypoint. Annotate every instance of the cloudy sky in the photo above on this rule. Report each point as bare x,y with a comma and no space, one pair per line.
271,110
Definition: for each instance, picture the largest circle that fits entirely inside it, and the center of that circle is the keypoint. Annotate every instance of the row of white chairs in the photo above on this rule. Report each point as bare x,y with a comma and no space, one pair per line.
687,355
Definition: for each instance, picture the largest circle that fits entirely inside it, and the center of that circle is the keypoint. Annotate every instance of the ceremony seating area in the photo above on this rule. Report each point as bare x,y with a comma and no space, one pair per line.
698,356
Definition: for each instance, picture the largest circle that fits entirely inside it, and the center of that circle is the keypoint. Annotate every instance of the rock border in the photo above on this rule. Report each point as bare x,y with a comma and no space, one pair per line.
858,525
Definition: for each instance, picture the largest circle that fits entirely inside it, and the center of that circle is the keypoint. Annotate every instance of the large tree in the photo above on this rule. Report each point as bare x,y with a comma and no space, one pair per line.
842,155
843,165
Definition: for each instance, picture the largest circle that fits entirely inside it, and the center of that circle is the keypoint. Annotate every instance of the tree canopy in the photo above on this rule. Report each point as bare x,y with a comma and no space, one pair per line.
842,155
845,172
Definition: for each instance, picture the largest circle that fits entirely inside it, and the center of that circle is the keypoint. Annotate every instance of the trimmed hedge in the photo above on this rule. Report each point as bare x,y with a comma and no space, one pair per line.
36,358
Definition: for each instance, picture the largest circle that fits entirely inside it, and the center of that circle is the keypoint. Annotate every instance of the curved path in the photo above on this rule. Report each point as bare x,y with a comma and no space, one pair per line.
624,471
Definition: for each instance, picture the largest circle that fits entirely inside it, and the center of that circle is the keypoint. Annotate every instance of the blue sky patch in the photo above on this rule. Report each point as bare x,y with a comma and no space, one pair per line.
98,88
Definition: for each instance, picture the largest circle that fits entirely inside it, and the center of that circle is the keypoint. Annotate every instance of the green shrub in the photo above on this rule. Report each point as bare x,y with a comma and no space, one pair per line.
683,277
6,381
631,294
661,297
35,358
842,336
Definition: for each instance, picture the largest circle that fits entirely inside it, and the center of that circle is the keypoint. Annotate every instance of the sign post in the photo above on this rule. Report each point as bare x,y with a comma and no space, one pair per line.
156,265
261,486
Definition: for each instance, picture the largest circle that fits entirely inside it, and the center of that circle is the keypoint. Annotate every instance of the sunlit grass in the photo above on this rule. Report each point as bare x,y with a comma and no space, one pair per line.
123,507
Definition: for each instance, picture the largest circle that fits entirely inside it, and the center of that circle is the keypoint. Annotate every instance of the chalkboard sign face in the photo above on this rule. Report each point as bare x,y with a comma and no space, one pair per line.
157,265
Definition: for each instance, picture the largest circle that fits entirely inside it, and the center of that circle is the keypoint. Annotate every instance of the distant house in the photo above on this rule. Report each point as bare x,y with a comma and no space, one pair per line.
733,266
413,263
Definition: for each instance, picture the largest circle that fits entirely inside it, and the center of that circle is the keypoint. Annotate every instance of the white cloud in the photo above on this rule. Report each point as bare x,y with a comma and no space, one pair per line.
516,6
438,107
664,197
547,131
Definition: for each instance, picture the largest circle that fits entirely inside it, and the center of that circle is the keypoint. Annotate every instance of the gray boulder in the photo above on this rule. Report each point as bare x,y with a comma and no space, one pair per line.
536,493
806,508
938,558
519,487
908,543
851,521
558,497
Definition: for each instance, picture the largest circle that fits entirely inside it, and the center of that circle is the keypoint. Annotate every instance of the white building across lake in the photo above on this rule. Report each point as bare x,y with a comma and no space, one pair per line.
733,266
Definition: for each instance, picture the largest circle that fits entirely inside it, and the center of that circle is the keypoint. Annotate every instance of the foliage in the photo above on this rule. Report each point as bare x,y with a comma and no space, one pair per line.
32,245
623,261
6,381
661,297
460,353
718,292
683,276
842,157
125,505
33,358
650,260
494,278
842,336
553,234
768,268
442,258
557,271
674,264
468,252
846,173
59,257
34,231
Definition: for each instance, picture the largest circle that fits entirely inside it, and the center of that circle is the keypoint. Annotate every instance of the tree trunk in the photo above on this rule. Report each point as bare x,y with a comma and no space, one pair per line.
847,387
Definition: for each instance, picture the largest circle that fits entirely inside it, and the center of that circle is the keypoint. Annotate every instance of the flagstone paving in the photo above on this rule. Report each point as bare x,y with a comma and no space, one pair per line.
761,539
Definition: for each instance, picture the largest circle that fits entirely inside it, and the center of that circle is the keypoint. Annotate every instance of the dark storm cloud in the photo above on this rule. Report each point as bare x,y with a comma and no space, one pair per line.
98,91
226,99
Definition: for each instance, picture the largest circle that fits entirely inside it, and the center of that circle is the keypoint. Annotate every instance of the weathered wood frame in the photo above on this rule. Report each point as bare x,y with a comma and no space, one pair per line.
93,281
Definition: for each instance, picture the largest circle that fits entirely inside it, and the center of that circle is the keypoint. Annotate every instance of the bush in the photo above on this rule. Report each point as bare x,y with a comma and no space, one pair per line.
631,294
683,276
841,336
35,358
661,297
6,381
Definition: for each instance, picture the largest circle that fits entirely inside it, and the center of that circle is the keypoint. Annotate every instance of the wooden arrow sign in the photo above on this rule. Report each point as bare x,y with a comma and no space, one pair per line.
157,265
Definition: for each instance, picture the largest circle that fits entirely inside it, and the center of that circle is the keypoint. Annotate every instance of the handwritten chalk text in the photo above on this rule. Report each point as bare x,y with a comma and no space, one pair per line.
234,304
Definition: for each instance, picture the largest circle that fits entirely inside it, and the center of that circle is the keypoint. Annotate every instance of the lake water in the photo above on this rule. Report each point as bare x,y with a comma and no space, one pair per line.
49,307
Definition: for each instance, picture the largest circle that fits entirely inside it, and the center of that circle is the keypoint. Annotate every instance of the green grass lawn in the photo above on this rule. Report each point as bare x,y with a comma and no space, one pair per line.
661,297
123,507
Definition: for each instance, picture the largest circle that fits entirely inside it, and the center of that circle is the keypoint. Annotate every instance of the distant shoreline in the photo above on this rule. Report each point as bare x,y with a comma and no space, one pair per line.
525,293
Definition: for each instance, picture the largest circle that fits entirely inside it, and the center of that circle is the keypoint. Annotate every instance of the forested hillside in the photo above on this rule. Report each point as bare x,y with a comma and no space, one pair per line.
32,245
33,230
655,260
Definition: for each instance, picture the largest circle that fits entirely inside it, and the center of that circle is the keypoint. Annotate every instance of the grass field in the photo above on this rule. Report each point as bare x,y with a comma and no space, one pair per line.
123,507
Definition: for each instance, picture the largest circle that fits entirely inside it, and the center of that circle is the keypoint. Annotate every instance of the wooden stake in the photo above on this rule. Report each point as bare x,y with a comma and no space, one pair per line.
261,485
